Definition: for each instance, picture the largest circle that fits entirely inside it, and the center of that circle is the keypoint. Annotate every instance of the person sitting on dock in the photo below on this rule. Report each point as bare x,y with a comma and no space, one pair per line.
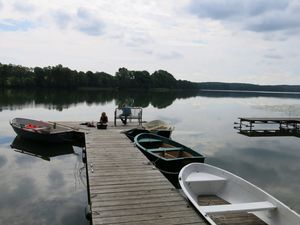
103,119
126,111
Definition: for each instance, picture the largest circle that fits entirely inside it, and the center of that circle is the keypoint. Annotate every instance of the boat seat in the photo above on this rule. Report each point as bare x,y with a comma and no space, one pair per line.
238,207
204,177
149,140
165,149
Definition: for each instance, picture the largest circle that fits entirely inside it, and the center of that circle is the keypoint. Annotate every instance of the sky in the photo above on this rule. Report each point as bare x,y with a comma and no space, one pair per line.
250,41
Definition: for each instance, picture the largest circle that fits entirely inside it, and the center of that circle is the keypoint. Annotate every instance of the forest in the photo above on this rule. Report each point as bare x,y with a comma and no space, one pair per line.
60,77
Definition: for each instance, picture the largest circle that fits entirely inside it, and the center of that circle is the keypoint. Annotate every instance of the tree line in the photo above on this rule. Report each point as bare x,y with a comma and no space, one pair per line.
16,76
60,77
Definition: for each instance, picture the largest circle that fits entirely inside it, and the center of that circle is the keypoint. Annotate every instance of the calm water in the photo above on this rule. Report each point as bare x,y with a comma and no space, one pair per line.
37,191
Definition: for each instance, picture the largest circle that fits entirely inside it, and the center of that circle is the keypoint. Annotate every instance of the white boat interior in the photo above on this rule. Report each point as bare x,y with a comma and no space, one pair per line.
224,198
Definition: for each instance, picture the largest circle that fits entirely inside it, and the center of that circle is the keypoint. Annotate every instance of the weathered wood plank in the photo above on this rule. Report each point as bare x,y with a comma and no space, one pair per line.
142,217
120,189
136,201
172,221
141,206
119,196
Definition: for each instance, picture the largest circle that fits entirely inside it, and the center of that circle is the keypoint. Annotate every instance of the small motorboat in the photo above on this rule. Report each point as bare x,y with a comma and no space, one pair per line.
158,127
39,149
221,196
44,131
167,155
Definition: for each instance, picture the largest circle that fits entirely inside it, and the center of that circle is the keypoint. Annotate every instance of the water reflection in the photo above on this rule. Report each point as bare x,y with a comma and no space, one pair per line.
203,121
35,191
40,150
17,99
269,133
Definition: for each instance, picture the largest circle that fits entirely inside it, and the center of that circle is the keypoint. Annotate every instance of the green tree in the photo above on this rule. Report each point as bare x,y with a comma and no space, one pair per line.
163,79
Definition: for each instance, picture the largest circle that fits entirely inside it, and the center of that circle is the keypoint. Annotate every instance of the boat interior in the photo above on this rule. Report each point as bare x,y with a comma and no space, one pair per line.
224,198
171,154
228,218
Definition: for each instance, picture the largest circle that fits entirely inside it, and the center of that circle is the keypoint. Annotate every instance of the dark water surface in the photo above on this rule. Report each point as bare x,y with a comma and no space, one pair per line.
37,191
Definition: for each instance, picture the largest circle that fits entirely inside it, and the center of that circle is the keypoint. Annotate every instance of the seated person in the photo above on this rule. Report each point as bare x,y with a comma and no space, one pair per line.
103,119
126,111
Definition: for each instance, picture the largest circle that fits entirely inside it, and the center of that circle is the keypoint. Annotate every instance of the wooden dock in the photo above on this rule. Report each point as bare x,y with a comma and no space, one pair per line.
279,126
125,188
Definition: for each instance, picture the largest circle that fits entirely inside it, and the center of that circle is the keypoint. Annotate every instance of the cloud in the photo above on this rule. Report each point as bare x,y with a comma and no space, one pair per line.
3,161
56,179
15,25
61,18
273,56
253,15
135,39
89,23
23,6
1,5
83,20
229,9
171,55
274,22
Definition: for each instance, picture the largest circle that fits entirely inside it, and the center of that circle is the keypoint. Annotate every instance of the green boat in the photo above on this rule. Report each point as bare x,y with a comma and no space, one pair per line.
167,155
158,127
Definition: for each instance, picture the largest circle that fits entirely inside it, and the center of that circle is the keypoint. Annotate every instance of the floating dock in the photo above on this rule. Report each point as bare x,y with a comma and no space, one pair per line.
277,126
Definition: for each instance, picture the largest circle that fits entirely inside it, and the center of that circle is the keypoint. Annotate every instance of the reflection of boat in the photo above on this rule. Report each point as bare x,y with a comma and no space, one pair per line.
167,155
41,150
222,196
43,131
158,127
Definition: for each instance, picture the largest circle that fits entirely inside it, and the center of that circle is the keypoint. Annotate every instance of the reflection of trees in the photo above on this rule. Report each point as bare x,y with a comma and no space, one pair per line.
60,99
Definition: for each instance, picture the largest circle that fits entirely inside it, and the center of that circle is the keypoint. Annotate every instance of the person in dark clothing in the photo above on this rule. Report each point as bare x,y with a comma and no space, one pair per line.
103,119
126,111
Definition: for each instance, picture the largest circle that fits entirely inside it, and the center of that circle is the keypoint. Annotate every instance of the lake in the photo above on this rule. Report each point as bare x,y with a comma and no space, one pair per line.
36,190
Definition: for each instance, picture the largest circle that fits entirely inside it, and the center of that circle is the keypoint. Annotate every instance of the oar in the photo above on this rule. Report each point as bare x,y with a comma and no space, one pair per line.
64,125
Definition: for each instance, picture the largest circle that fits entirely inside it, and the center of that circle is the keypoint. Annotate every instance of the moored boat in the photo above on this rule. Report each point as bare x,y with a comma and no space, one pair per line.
44,131
220,195
167,155
158,127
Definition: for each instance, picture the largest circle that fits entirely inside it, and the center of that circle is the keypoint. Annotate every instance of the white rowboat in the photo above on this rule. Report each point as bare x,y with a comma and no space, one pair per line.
202,181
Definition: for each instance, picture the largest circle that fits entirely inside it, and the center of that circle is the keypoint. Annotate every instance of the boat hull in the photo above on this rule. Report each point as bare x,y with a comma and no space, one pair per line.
199,180
50,138
167,155
136,131
47,132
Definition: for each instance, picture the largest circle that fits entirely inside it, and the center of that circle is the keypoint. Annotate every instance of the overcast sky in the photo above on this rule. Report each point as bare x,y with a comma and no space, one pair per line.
253,41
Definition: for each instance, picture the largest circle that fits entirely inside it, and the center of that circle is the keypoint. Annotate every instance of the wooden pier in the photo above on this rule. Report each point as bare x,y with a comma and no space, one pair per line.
258,126
124,188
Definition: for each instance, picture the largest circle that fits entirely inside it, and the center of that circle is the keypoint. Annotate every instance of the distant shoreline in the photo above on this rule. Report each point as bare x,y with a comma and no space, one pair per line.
263,92
60,77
